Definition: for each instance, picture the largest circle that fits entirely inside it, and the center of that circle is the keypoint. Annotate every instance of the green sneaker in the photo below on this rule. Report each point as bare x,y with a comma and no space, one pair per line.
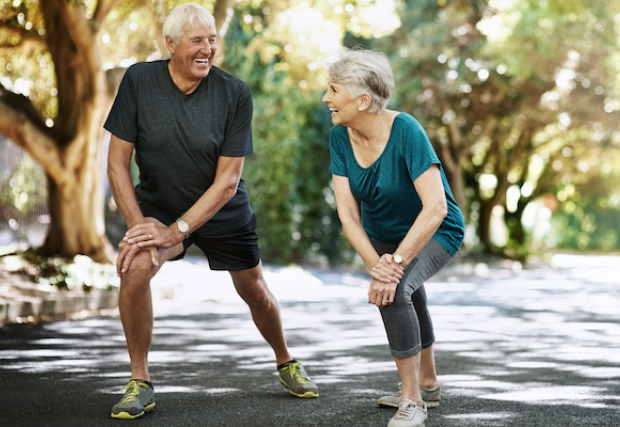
295,378
139,399
432,397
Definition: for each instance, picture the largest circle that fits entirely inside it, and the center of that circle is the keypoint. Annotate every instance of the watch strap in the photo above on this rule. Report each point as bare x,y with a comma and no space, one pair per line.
183,224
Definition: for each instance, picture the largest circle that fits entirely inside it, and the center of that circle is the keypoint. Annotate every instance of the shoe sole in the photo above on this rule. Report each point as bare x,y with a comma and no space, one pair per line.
432,404
128,416
307,394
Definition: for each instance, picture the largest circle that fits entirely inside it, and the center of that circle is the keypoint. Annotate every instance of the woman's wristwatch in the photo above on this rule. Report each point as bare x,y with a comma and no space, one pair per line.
399,260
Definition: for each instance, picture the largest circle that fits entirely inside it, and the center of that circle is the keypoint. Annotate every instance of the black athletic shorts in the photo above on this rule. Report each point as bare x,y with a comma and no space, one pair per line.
231,253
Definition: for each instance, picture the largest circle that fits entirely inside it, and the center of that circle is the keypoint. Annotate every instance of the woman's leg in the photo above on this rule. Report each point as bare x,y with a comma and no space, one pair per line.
408,369
408,324
428,374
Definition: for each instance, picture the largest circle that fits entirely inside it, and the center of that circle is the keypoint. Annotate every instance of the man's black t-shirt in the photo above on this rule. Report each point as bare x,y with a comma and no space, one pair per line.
178,139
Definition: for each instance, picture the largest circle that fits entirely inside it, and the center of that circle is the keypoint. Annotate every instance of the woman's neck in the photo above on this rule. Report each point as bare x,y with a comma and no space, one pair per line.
372,128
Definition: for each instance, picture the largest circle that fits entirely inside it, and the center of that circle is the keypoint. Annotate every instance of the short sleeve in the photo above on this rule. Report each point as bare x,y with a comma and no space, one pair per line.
238,139
122,119
338,165
417,149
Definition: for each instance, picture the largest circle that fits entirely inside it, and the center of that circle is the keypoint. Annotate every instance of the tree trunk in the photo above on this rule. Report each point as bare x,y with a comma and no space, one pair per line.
78,223
484,227
455,178
71,151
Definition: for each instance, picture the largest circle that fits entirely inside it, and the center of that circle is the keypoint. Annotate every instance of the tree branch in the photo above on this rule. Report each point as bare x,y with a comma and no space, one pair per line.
26,36
22,124
78,26
104,7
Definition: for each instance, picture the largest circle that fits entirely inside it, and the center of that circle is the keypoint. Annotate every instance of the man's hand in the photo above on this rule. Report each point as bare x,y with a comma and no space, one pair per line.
381,294
127,251
386,270
152,235
147,236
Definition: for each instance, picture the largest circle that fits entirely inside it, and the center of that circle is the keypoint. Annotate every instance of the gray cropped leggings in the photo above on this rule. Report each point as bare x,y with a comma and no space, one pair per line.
407,320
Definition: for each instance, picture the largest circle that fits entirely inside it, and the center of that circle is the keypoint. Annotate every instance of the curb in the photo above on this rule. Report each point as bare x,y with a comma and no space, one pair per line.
59,304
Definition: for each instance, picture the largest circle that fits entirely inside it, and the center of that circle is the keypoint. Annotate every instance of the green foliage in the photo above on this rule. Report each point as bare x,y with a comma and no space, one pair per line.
28,71
77,273
590,206
25,187
502,88
288,176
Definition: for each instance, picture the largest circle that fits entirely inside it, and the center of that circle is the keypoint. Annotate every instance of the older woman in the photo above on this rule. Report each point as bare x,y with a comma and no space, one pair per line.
398,213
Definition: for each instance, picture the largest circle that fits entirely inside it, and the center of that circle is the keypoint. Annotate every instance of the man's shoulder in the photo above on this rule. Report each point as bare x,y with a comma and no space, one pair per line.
227,78
146,66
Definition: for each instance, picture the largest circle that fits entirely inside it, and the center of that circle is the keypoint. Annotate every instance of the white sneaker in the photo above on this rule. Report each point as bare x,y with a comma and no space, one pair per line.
409,415
431,397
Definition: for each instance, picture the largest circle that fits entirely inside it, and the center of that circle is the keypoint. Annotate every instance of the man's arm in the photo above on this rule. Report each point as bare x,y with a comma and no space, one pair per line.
224,187
119,159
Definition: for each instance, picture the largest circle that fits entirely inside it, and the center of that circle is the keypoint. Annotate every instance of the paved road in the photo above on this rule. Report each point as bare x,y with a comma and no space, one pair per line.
537,347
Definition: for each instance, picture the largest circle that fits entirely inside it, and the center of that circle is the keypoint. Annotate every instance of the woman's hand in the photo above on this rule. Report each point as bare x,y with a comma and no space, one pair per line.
386,270
381,294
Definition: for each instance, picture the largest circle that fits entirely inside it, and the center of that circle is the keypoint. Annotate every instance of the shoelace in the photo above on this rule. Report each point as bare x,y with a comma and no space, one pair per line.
298,376
132,391
406,411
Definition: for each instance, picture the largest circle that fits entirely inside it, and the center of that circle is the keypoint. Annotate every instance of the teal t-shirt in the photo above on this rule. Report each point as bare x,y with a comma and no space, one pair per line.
389,202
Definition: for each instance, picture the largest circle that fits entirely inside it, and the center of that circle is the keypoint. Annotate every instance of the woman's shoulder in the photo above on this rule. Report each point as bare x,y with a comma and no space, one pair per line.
339,132
407,121
408,132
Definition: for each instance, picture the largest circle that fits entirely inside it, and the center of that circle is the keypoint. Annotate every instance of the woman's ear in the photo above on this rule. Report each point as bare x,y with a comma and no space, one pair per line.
364,103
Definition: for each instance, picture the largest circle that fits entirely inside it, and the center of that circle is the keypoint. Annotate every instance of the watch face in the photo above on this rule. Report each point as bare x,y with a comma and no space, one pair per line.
398,259
183,227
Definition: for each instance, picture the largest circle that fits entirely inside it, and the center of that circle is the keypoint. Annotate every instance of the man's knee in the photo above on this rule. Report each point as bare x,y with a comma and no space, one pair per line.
254,291
141,269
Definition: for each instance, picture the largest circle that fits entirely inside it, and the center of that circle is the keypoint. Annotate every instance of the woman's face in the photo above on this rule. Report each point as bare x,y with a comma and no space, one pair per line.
342,106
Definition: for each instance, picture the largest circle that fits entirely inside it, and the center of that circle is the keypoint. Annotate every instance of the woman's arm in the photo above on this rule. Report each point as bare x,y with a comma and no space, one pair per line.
385,274
434,209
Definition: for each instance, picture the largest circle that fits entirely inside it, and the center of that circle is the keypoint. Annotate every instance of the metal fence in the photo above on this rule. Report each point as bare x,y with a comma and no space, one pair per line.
24,215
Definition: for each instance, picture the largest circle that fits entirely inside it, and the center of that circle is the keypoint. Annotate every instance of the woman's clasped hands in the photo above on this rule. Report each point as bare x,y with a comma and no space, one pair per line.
386,275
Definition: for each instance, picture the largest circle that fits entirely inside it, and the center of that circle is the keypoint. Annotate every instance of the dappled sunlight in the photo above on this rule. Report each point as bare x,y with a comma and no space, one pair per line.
529,337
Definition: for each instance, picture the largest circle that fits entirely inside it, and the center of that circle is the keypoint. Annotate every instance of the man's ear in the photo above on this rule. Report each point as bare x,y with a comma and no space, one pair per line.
170,45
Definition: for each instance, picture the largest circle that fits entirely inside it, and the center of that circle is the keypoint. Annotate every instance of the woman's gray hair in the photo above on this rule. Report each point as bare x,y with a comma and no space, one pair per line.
364,71
182,19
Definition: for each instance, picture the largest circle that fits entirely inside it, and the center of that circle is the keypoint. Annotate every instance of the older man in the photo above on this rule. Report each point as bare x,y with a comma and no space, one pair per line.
190,125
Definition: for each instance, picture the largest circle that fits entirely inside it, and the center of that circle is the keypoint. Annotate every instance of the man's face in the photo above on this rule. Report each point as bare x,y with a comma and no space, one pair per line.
193,56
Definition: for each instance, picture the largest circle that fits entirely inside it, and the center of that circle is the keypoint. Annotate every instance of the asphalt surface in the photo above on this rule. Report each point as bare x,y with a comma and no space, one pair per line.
532,347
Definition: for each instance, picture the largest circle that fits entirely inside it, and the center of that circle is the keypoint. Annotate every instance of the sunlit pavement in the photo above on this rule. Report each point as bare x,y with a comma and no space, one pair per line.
531,347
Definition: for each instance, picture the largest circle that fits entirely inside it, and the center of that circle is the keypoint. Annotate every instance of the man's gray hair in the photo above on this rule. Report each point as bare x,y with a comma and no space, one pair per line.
364,71
182,19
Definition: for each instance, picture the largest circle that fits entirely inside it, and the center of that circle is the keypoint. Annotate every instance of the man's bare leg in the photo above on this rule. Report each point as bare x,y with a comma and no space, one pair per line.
136,310
253,289
136,305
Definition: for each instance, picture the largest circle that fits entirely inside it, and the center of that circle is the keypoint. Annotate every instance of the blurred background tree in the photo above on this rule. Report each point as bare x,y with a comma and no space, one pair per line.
511,93
520,99
53,97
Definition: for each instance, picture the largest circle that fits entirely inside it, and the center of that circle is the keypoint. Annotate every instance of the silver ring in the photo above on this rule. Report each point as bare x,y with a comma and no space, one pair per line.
150,237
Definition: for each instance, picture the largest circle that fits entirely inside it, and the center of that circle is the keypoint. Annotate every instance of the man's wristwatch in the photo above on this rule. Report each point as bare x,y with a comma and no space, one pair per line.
183,227
399,260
